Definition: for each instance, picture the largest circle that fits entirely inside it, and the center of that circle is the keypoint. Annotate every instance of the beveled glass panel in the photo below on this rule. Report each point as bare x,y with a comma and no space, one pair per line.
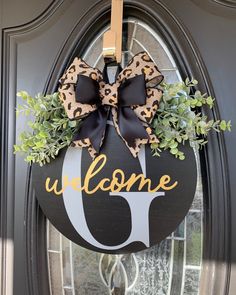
55,273
191,282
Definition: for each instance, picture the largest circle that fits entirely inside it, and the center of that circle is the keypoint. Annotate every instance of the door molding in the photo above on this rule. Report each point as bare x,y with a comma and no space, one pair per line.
10,37
227,3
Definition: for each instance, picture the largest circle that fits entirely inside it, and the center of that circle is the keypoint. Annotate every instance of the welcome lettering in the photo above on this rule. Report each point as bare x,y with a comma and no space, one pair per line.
114,184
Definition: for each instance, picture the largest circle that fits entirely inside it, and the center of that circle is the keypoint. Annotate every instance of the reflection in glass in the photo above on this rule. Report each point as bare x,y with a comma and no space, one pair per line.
172,267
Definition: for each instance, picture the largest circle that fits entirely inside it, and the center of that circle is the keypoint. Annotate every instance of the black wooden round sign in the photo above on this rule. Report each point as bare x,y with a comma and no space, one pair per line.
117,203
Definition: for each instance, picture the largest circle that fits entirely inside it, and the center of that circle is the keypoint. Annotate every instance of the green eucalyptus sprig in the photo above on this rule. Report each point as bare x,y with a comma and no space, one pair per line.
51,129
178,118
176,122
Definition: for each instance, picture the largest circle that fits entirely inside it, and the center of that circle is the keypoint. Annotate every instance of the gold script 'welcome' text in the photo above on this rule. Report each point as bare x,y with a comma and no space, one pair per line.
117,182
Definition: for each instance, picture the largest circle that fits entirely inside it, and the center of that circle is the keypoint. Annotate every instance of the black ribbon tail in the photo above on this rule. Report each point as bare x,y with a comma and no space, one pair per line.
130,126
94,127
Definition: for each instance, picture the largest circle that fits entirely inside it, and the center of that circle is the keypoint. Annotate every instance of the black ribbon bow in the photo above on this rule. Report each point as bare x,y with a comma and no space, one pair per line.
130,93
131,101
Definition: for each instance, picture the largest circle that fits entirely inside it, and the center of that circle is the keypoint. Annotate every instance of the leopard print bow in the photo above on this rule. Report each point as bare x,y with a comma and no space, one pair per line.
132,100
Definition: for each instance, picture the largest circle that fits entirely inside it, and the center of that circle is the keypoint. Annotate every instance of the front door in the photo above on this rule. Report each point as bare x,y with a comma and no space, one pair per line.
185,38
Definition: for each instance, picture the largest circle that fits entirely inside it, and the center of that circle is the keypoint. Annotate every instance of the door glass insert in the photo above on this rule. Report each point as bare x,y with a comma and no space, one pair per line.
172,267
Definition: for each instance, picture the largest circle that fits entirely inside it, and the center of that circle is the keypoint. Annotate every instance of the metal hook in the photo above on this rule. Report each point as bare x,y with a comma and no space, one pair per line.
112,39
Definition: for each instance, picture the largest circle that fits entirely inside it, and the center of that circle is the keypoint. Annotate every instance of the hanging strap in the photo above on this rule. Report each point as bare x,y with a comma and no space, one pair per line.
112,39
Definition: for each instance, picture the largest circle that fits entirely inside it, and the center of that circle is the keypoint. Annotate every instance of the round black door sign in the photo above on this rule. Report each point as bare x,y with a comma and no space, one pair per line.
116,203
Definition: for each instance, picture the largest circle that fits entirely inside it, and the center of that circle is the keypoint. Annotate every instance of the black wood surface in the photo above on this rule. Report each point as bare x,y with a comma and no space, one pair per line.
109,217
